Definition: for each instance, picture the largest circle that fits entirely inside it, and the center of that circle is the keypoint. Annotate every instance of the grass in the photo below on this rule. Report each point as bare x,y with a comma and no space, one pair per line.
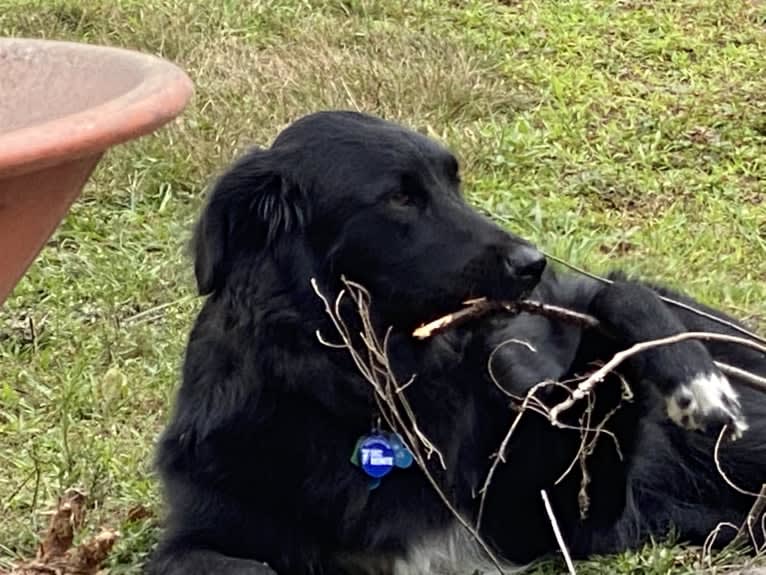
626,133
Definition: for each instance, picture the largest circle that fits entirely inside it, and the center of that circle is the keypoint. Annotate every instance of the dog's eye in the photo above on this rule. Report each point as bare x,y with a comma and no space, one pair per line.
401,199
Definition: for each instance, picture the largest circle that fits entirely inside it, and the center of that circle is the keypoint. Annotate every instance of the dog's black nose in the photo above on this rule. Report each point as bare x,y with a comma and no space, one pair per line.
526,263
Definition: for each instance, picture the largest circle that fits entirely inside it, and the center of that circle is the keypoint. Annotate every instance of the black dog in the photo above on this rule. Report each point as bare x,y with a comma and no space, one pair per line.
256,460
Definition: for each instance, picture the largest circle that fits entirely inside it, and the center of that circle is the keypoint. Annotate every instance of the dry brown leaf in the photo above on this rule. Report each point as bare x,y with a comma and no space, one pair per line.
56,556
67,518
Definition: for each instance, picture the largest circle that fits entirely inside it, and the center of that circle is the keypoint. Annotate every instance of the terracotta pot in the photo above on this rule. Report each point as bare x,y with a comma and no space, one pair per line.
62,105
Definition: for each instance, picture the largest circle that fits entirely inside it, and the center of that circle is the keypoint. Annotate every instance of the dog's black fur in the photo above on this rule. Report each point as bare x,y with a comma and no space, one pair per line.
255,461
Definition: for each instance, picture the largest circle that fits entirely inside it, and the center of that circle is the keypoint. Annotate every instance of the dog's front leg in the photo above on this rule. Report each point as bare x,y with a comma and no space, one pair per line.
698,396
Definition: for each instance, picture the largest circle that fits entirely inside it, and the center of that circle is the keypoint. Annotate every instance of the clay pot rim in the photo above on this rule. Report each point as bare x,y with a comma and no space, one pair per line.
160,95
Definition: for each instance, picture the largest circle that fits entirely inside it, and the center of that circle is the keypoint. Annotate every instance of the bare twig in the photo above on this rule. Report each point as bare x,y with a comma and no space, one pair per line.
370,367
557,533
500,455
722,473
588,440
153,313
586,386
706,552
481,307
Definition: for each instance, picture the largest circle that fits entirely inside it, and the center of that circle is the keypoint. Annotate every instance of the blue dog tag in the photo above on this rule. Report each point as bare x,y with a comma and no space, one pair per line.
376,456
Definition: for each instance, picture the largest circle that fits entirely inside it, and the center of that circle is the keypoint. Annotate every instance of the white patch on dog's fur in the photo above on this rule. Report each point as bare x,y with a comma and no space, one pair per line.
708,398
453,551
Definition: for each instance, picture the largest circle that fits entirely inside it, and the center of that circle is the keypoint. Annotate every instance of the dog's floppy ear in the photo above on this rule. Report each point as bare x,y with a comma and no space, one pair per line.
251,205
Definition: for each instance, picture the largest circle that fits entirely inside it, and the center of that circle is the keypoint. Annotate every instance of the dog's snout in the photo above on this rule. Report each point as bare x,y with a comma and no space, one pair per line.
526,262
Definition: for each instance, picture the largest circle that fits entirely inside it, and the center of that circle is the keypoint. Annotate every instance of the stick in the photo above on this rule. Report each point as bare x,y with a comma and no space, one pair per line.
722,473
480,307
557,533
587,386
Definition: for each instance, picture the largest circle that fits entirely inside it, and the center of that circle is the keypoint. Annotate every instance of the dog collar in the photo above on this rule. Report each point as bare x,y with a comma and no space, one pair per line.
378,453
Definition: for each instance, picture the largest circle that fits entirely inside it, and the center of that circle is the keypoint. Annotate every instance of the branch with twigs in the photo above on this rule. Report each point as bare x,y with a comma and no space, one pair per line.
373,363
589,433
374,366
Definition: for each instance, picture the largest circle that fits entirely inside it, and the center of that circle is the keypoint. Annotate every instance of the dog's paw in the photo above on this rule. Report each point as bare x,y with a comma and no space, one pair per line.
706,402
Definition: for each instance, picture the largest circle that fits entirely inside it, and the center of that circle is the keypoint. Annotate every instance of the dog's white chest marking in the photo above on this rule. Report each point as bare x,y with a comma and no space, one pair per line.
453,551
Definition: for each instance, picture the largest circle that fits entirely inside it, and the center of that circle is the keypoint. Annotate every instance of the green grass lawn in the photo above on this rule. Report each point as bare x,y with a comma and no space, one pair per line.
627,133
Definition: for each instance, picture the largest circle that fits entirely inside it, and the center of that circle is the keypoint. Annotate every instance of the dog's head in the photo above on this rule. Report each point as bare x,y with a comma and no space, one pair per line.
365,198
